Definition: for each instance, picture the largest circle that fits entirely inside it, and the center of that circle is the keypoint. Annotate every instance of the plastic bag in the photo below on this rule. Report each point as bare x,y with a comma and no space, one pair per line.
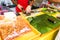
11,30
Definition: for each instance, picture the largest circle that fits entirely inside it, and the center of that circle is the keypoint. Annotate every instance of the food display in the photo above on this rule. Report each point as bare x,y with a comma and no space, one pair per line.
11,30
5,30
40,20
49,10
44,23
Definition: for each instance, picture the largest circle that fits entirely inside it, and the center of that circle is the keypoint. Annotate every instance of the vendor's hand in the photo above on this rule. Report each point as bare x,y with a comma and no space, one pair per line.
20,7
28,9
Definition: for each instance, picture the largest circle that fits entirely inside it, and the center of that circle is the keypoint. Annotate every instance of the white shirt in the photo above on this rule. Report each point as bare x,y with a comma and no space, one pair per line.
1,1
7,2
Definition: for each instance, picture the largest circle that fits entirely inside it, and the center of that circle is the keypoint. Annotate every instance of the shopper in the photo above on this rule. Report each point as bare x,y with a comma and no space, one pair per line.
20,5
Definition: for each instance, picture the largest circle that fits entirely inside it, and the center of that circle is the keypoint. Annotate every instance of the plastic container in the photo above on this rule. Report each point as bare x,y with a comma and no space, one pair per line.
48,36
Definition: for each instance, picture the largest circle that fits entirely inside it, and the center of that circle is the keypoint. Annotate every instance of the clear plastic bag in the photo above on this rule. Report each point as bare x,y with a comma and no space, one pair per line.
11,30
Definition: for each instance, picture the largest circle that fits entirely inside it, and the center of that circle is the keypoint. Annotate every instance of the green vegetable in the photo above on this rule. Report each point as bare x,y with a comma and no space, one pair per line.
44,9
42,24
30,19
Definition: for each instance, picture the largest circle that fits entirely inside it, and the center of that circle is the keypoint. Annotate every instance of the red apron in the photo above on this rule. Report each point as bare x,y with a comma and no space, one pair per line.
23,3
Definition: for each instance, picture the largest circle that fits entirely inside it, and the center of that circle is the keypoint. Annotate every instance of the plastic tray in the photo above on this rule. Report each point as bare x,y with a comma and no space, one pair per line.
48,36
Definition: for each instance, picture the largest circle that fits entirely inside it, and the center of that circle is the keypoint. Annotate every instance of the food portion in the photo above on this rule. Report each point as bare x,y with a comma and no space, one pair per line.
1,17
44,23
6,29
50,10
11,30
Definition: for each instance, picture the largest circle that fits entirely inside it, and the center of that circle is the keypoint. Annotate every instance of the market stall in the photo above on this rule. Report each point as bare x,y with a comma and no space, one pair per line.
37,24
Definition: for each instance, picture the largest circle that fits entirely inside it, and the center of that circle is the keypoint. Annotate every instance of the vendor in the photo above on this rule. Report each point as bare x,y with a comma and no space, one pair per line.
20,5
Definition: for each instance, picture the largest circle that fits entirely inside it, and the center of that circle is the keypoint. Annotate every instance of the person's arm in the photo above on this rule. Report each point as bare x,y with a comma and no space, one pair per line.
28,9
14,1
18,5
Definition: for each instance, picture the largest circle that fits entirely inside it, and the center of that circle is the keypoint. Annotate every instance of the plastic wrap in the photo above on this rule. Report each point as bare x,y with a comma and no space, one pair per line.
11,30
